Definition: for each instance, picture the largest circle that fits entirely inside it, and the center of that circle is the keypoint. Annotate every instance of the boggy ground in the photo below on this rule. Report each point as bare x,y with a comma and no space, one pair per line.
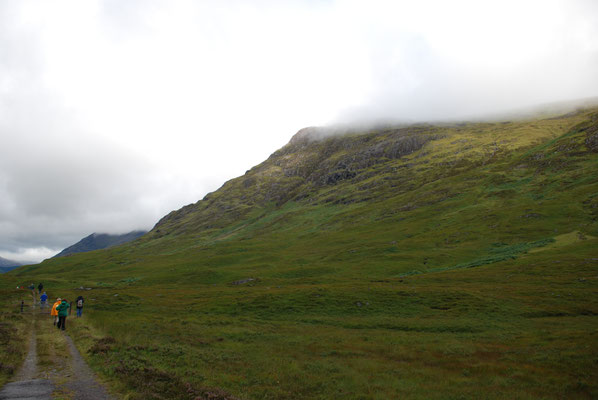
522,329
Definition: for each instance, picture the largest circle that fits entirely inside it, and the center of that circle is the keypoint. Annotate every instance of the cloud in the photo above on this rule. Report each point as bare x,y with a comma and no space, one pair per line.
59,179
28,255
451,60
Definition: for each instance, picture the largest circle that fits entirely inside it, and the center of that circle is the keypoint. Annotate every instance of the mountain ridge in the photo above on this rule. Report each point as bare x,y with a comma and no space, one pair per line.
98,241
7,265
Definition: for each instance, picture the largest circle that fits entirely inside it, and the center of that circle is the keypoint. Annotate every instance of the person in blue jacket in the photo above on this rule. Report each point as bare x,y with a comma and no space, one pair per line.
43,299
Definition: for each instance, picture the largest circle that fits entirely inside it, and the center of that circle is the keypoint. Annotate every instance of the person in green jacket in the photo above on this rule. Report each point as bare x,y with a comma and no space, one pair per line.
63,311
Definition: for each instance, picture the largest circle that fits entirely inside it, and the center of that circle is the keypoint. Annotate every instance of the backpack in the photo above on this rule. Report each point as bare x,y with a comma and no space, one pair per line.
80,303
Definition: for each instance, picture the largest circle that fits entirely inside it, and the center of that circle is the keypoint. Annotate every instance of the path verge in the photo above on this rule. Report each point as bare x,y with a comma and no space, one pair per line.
27,385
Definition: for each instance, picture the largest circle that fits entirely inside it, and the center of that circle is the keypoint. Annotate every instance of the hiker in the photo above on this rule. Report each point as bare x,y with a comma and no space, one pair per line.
43,300
54,312
79,303
63,311
40,287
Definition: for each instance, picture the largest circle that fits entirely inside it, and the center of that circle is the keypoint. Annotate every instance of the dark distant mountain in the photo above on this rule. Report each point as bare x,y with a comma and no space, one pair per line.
97,241
7,265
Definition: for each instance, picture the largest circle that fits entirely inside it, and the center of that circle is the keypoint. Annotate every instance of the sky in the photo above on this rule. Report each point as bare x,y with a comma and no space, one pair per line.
114,113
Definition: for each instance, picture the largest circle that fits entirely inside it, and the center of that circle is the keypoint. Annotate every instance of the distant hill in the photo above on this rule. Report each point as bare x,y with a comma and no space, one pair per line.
97,241
7,265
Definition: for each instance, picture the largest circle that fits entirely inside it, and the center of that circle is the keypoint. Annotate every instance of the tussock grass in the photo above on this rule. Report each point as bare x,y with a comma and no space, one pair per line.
14,332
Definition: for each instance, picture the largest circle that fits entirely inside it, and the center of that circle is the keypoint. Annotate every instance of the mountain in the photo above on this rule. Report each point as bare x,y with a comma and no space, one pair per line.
422,262
391,172
318,166
97,241
383,197
7,265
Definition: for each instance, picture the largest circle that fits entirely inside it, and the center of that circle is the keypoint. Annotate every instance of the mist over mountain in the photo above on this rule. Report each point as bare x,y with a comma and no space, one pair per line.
361,165
98,241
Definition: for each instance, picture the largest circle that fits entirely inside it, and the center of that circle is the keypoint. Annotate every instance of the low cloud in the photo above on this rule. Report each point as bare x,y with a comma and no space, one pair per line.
29,255
468,59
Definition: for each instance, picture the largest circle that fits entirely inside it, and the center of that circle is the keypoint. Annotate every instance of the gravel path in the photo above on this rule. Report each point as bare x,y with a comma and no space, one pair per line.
82,383
26,386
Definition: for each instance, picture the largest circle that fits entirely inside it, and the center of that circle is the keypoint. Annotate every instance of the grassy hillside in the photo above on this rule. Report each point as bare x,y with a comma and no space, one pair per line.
452,261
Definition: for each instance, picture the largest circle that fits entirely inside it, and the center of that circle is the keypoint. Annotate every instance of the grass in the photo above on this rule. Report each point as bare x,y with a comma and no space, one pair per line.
459,333
464,269
52,351
14,332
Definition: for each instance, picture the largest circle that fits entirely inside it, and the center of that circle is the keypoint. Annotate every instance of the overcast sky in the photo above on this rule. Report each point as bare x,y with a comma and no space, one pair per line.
115,112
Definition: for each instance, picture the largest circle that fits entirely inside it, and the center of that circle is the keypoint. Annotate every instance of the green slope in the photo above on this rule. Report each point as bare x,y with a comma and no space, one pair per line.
453,261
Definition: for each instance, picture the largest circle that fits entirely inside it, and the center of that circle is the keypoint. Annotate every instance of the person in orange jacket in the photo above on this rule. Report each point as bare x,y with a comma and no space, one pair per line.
54,312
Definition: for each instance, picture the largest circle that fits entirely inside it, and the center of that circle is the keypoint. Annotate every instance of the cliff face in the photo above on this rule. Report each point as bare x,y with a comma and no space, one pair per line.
321,165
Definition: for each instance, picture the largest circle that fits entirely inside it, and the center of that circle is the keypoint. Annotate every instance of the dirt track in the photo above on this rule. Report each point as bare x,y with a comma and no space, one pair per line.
84,383
27,384
72,380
